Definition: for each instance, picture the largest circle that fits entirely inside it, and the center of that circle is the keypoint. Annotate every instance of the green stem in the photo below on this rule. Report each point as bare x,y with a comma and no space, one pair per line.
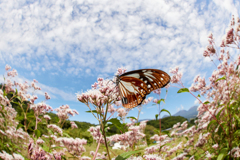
103,131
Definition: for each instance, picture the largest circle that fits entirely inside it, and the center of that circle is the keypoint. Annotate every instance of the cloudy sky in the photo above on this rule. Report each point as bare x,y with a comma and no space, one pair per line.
67,44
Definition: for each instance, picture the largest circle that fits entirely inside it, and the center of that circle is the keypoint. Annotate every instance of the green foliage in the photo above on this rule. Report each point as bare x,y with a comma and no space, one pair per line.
84,125
149,131
126,155
164,110
54,118
120,126
183,90
166,122
79,133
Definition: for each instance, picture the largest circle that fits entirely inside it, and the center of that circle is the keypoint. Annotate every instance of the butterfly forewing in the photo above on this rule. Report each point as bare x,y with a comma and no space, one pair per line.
135,85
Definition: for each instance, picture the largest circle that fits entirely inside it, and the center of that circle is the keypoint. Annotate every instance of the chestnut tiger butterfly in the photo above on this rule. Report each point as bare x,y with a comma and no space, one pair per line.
135,85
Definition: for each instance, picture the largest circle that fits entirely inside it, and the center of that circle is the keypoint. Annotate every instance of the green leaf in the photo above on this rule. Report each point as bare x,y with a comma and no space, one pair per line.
212,122
66,135
15,102
223,154
156,116
4,93
220,129
94,111
20,126
37,133
186,138
19,98
157,131
164,110
183,90
219,113
126,155
57,147
132,118
206,102
223,78
236,133
116,122
198,95
45,148
63,157
237,118
167,133
159,101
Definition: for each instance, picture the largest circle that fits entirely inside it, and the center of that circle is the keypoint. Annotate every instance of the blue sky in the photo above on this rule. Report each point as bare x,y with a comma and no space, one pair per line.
67,44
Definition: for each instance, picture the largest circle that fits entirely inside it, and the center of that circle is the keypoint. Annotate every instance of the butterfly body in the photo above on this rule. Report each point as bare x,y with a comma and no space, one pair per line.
135,85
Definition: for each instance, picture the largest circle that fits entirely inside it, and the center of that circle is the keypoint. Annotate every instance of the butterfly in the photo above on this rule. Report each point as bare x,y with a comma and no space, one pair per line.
135,85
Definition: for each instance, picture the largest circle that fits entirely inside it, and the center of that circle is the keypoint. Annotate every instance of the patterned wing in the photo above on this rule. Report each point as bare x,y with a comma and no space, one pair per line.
153,78
132,90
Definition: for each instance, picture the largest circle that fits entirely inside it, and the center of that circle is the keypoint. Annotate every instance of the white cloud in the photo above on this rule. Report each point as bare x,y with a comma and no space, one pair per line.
196,102
180,108
52,91
32,74
99,36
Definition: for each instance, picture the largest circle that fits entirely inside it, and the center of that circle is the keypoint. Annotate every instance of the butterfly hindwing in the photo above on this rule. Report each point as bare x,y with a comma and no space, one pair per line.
154,79
132,90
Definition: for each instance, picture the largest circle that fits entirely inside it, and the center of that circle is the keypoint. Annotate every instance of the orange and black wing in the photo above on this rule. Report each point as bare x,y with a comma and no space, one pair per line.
135,85
132,91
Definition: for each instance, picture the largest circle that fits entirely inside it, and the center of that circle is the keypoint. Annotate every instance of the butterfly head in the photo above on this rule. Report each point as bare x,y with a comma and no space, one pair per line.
117,79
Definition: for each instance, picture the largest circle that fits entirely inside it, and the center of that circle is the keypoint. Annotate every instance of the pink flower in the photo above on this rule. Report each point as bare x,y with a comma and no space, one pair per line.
73,125
7,67
55,128
121,71
47,96
40,141
121,112
47,117
215,146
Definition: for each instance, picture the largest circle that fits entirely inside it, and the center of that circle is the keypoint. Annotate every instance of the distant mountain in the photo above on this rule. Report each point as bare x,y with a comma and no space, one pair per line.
191,113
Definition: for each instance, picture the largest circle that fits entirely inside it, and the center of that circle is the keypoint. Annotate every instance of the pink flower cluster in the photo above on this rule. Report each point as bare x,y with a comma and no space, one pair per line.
232,35
47,117
47,96
4,155
174,149
176,77
122,112
74,146
148,100
235,152
73,125
64,112
33,84
202,139
40,108
129,138
153,157
120,71
12,73
99,155
55,128
200,85
103,92
96,133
